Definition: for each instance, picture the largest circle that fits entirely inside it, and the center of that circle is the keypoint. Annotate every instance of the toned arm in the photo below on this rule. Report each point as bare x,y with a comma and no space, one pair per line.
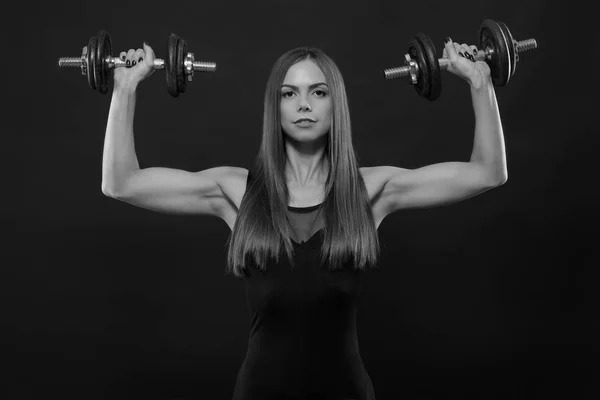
167,190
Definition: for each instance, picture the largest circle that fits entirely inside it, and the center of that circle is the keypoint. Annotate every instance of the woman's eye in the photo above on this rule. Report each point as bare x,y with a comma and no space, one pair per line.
319,93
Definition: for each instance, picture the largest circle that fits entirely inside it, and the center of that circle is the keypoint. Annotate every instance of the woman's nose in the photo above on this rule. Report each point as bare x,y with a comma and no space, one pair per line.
303,105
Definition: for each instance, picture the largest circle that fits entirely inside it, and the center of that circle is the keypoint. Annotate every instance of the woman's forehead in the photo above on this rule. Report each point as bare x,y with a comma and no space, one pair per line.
305,72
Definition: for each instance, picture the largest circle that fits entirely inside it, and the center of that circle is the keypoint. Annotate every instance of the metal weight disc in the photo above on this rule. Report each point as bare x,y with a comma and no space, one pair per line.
435,86
416,53
422,50
103,50
181,75
91,56
512,51
178,66
171,65
492,36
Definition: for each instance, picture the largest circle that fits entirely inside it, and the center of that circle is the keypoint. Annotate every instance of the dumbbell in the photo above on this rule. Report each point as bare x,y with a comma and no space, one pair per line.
97,62
497,48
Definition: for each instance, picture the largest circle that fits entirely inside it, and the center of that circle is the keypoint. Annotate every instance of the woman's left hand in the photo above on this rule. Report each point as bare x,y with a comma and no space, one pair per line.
461,62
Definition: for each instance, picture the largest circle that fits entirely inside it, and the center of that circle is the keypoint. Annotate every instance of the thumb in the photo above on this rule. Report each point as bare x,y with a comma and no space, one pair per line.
149,53
449,47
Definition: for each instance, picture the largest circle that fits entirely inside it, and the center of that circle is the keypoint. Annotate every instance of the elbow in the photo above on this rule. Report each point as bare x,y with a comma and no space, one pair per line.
503,176
495,180
110,191
500,180
497,176
107,191
113,186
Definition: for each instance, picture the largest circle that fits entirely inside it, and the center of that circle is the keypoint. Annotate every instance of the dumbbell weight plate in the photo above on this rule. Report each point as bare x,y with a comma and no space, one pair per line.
512,53
435,86
422,50
491,35
103,51
171,65
181,76
91,60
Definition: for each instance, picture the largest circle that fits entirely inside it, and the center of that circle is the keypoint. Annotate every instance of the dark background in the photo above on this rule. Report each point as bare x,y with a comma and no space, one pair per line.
489,298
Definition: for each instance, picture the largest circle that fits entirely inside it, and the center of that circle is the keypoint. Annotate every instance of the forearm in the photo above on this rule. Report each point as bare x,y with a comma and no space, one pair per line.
119,159
488,144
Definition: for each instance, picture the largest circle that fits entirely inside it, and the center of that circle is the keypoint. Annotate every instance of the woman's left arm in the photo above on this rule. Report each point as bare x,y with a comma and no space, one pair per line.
450,182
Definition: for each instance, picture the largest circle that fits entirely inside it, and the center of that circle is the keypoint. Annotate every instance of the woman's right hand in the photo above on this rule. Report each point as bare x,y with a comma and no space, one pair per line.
140,65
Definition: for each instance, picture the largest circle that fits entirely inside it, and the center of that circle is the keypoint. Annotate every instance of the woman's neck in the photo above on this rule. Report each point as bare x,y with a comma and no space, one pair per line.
307,173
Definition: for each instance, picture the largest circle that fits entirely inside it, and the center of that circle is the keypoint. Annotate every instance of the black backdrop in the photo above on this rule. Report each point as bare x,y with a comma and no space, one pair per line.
481,299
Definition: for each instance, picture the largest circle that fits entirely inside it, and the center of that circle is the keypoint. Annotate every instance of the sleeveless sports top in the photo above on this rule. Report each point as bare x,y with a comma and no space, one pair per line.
303,342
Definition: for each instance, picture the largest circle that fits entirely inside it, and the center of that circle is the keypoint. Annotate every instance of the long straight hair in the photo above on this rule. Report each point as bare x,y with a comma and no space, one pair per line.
262,226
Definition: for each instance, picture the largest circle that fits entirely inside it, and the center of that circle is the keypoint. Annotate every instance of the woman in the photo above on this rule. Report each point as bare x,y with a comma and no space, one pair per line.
308,197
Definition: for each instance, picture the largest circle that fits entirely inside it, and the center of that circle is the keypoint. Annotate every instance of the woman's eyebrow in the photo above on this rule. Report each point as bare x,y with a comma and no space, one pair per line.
314,85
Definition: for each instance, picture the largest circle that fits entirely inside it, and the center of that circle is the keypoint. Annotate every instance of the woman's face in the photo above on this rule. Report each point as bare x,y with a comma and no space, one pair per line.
305,94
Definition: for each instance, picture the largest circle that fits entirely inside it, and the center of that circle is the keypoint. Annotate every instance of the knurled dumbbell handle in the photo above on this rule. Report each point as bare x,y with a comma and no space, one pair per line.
115,62
482,55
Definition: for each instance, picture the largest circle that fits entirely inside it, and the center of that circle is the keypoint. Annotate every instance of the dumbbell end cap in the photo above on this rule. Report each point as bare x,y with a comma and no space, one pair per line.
204,66
69,62
399,72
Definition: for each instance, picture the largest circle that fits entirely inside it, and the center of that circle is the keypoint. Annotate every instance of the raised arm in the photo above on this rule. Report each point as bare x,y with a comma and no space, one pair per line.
158,189
450,182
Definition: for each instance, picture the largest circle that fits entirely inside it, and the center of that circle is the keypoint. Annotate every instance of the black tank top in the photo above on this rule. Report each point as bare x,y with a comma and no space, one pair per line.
303,342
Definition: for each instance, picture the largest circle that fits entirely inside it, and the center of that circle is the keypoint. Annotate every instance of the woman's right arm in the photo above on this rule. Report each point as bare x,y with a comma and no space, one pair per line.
158,189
